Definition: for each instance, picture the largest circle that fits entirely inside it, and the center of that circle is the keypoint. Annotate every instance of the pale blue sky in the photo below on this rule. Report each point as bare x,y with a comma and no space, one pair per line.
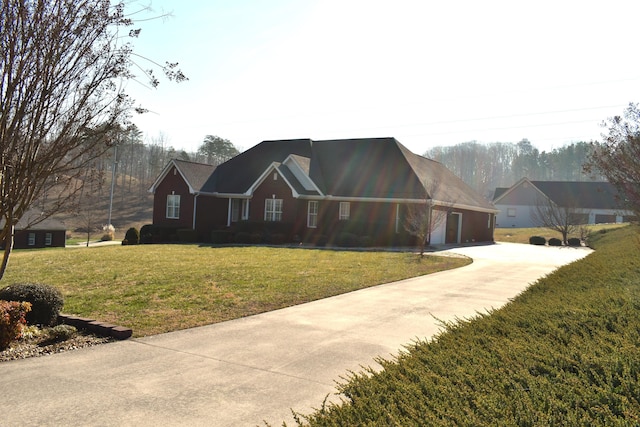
428,73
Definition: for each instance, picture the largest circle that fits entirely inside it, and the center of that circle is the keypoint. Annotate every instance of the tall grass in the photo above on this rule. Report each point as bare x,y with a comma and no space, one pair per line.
161,288
565,352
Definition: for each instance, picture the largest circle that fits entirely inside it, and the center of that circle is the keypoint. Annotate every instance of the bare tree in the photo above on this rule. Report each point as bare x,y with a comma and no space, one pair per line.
63,62
565,218
617,157
424,218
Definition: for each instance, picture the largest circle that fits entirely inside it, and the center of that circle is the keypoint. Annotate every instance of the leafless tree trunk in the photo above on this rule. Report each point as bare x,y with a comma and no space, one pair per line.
566,219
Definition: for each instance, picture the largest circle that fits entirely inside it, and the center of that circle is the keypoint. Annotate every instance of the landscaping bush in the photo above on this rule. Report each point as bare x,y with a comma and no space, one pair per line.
131,237
366,242
146,233
322,241
221,236
537,240
109,233
555,242
276,238
574,241
347,240
61,333
46,301
243,237
12,320
187,235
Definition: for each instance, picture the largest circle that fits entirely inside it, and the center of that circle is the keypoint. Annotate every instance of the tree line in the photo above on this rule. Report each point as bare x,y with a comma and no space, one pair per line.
485,167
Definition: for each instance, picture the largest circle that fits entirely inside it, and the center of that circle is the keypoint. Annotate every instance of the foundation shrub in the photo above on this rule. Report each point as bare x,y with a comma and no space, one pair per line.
46,301
537,240
61,333
243,237
276,238
221,236
12,321
131,237
187,235
347,240
555,242
146,233
574,241
366,241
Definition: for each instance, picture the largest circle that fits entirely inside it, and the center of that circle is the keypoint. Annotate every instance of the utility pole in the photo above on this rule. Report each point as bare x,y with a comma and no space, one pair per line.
113,180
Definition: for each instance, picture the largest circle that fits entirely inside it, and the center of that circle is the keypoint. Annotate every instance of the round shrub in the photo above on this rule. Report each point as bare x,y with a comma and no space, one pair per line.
62,332
537,240
555,242
574,241
347,240
46,301
146,233
131,237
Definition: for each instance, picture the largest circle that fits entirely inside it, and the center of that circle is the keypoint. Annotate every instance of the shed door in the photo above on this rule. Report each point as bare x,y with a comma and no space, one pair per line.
453,228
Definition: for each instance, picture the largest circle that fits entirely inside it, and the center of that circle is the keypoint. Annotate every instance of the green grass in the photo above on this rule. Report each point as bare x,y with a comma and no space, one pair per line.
161,288
521,235
565,352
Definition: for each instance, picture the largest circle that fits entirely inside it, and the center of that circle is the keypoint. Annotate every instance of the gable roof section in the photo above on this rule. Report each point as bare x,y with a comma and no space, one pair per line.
238,174
588,194
194,174
31,220
444,186
583,194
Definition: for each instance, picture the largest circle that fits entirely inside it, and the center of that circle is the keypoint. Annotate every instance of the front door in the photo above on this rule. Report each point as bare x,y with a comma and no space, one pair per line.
453,228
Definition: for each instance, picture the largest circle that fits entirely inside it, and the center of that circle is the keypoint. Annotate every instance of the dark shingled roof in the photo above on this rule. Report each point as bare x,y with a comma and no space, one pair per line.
583,194
593,195
379,168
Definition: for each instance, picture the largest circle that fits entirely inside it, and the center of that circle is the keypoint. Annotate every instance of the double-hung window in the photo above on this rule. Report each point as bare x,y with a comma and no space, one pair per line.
239,210
273,210
345,211
173,206
48,238
31,239
312,214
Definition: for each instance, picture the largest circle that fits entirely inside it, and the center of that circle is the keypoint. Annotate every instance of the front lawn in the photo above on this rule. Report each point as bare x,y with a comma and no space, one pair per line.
521,235
161,288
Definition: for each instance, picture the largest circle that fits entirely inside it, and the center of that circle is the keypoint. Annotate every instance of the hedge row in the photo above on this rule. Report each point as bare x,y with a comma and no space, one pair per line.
564,352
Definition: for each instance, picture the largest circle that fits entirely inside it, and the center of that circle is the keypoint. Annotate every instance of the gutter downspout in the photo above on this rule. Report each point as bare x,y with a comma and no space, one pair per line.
195,209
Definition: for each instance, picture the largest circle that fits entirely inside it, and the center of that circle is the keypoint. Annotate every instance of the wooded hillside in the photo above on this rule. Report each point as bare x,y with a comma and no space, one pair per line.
487,166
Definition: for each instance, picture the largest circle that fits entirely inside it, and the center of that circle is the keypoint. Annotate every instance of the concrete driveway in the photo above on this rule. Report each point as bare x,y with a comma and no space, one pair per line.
255,369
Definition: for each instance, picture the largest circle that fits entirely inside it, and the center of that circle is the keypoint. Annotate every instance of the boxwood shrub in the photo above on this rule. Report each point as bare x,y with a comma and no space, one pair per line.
537,240
46,301
574,241
555,242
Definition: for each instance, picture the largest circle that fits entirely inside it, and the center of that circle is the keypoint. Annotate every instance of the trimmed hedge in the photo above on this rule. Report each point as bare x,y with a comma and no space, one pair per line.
131,237
555,242
574,241
537,240
46,301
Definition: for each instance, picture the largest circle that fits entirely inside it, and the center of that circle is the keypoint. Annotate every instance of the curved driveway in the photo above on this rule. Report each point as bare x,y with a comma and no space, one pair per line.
242,372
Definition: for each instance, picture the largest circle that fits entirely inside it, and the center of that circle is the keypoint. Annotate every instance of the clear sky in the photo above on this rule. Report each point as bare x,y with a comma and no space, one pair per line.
426,72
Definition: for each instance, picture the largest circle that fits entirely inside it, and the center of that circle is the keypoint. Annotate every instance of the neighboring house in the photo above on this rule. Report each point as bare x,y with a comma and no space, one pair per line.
311,191
49,232
596,202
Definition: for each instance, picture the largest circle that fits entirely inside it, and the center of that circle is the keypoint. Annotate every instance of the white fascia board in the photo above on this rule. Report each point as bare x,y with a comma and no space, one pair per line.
273,167
164,174
513,187
291,159
459,206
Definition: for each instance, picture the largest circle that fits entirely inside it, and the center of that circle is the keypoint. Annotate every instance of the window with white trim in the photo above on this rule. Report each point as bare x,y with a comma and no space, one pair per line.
239,210
48,238
345,211
273,209
31,239
312,214
511,212
173,206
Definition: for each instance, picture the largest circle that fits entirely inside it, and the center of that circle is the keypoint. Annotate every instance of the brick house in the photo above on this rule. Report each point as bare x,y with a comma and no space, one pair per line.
310,191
